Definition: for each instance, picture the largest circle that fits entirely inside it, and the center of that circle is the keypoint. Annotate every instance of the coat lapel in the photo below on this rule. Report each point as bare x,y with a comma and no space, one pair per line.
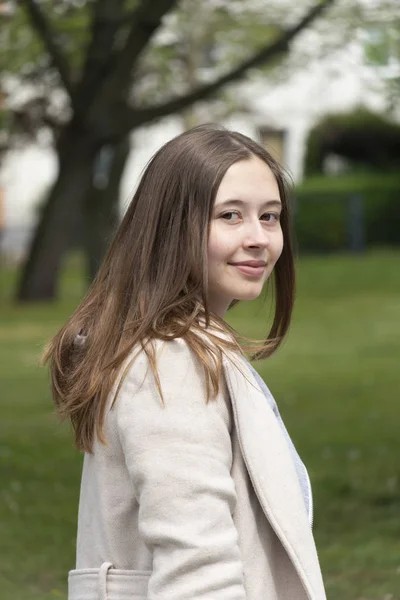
272,472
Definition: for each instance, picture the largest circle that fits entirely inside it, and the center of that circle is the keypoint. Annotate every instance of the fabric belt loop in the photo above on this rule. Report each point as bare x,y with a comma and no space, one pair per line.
102,580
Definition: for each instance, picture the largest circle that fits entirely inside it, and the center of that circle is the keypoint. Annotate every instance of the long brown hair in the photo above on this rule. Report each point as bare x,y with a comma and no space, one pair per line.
152,283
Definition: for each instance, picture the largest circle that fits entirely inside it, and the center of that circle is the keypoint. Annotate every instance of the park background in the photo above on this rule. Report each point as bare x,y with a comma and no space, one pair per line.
89,90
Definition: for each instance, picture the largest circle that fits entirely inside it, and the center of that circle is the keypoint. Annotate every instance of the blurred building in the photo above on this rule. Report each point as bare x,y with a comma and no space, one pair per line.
279,114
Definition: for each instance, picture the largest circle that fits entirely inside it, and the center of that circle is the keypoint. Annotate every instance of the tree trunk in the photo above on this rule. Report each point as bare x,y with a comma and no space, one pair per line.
101,207
61,215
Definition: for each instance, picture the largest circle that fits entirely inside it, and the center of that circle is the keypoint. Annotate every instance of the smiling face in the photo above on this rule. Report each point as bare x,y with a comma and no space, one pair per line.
245,238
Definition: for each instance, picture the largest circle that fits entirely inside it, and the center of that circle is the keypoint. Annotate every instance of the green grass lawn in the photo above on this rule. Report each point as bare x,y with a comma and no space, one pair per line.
336,380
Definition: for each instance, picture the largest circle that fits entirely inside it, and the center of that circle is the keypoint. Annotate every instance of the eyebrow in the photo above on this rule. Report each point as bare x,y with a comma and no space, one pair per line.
267,203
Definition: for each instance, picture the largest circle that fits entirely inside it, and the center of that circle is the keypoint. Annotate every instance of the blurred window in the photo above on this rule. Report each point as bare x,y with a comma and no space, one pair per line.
274,140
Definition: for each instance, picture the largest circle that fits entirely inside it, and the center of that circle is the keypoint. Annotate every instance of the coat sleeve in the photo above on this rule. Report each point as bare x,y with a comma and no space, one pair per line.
179,458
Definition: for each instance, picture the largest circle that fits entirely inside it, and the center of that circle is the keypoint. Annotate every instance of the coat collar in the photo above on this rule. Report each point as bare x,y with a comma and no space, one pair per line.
267,457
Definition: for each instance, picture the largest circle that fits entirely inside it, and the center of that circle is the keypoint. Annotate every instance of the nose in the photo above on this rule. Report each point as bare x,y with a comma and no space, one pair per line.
256,236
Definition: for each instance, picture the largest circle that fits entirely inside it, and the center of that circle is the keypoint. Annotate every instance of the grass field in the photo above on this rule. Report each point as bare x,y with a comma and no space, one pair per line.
336,380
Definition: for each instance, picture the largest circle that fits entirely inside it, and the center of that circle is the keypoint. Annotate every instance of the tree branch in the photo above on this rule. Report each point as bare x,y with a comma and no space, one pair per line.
42,27
145,20
106,21
130,118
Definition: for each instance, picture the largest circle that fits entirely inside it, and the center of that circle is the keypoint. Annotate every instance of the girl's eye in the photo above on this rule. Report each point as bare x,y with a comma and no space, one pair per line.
232,216
270,217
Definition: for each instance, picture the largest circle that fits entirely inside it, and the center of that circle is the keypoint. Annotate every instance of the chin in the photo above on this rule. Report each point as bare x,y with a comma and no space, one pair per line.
248,295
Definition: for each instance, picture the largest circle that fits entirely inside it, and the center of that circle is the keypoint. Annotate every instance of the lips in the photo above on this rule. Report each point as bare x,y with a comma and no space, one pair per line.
251,268
250,263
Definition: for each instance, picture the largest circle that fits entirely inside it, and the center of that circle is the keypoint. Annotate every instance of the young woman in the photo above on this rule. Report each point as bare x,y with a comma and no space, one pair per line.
191,488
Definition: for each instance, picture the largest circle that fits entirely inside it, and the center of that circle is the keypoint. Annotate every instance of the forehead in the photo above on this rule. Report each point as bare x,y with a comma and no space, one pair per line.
251,180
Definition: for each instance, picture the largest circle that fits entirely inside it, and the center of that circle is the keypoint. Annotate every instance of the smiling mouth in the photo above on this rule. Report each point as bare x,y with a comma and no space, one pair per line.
250,270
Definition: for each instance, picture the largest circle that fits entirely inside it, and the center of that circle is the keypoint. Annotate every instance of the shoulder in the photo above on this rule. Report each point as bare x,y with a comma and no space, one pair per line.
178,358
173,361
181,378
173,365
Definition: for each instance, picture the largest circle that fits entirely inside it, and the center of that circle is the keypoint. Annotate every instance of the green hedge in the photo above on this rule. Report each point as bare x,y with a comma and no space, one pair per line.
361,137
322,211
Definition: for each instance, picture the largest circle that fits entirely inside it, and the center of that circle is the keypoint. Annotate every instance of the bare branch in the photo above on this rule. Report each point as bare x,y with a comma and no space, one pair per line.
42,27
146,19
130,118
107,18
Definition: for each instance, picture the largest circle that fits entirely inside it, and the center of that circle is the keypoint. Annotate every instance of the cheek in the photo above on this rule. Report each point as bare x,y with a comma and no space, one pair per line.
218,249
278,246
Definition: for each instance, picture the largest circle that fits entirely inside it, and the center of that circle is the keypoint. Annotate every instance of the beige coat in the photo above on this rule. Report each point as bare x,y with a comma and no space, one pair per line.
192,500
